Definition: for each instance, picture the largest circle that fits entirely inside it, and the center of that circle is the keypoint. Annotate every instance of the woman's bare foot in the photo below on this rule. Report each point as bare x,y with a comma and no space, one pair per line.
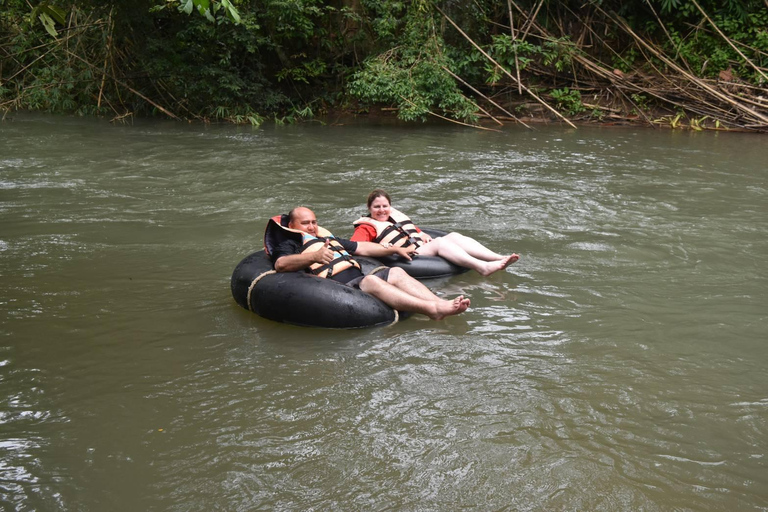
494,266
510,259
446,308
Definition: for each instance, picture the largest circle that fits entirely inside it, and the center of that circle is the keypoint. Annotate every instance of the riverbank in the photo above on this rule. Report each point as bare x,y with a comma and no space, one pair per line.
692,64
599,113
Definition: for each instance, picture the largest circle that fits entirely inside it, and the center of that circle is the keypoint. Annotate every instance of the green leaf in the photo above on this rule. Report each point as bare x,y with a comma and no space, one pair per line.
231,10
202,5
57,13
48,23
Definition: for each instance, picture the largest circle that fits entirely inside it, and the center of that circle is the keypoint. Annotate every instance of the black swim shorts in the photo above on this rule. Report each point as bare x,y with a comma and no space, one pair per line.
383,273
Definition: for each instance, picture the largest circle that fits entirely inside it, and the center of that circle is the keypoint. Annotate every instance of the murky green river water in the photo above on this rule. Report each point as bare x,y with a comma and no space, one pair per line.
622,364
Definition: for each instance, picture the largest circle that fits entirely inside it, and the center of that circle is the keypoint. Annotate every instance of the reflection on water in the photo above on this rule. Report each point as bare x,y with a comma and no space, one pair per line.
618,365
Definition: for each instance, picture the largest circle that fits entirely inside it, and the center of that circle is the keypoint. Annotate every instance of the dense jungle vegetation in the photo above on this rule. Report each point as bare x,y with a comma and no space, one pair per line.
697,64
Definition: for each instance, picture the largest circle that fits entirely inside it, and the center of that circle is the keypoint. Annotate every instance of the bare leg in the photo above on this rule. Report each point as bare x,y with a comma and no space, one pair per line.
398,299
473,247
455,254
400,279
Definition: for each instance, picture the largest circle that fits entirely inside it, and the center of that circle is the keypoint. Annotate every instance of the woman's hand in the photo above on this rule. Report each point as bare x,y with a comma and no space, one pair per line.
425,237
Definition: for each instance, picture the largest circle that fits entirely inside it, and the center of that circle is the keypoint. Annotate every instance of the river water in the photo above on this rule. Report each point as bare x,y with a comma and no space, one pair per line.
621,364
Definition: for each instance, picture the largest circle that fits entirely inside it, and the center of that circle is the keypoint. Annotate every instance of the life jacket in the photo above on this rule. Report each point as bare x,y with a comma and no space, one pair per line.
399,230
277,231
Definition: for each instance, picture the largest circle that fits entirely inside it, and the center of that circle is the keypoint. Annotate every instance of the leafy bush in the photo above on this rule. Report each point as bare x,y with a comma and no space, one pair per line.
568,101
412,75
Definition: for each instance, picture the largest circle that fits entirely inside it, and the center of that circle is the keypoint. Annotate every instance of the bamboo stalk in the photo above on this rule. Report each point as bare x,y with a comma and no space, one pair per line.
24,68
485,54
691,78
664,28
638,109
106,60
514,41
134,91
449,119
683,91
532,20
484,96
487,114
727,40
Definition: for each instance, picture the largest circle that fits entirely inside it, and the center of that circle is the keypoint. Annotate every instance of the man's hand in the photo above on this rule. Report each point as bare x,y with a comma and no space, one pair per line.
404,252
324,255
376,250
295,262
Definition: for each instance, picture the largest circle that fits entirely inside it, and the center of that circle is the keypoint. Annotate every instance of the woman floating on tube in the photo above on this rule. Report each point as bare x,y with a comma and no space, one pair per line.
388,226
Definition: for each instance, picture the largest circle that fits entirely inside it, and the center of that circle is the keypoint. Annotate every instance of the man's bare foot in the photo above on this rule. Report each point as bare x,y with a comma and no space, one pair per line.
446,308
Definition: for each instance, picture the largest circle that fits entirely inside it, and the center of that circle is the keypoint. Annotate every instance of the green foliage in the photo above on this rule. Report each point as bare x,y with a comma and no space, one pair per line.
209,9
387,19
415,86
295,115
735,9
203,66
237,117
412,75
515,53
568,101
504,49
559,53
288,60
41,69
304,72
706,52
641,100
627,60
49,15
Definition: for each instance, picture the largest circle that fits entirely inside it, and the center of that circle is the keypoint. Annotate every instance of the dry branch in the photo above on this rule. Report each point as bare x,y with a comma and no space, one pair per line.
727,40
449,119
485,97
485,54
743,109
134,91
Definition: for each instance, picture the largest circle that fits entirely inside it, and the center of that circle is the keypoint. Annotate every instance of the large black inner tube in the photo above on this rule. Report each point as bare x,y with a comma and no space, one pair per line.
300,298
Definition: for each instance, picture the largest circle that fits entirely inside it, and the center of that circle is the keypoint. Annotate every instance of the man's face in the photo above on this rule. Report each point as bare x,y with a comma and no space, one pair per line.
304,220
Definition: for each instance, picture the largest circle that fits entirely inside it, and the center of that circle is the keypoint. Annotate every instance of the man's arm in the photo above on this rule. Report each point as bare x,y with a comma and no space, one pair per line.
300,261
377,250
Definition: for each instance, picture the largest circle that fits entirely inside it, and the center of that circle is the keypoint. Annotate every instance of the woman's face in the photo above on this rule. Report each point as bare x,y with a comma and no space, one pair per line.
380,209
